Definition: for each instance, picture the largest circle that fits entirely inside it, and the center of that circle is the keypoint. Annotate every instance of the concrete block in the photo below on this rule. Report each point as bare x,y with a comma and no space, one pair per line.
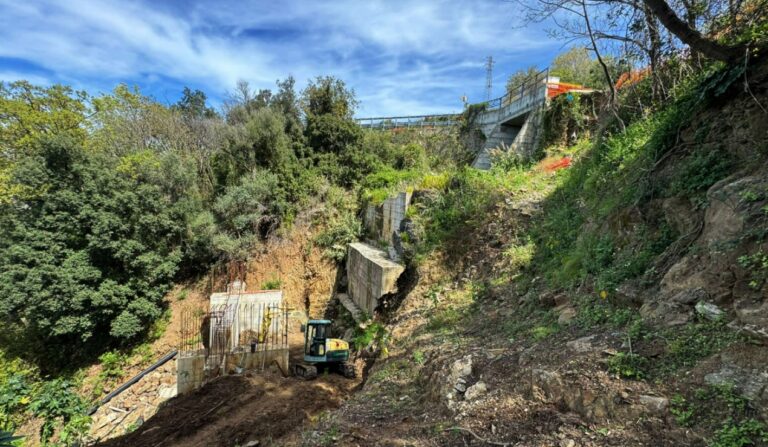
371,275
384,219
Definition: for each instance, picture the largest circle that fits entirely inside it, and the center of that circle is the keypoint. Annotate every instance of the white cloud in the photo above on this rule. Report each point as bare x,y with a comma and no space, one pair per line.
400,56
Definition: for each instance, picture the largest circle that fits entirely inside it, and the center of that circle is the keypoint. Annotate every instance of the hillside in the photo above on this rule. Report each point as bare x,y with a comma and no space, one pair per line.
564,306
582,261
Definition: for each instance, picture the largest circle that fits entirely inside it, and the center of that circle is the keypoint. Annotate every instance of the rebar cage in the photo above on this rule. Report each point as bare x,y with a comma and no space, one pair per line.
228,332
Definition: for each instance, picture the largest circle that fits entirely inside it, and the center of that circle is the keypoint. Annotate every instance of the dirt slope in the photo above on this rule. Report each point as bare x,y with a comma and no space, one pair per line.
235,410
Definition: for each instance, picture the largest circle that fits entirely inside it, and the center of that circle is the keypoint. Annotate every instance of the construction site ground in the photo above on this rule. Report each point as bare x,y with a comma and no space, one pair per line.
257,408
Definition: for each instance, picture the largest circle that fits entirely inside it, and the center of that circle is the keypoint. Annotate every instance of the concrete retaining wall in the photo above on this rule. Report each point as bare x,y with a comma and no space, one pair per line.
383,220
371,275
190,372
190,369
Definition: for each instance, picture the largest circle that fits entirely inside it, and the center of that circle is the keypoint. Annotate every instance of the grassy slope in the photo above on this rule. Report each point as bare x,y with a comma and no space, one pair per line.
501,249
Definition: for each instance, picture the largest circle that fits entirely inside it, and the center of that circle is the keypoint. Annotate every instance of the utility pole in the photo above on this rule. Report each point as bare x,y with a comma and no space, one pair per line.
489,78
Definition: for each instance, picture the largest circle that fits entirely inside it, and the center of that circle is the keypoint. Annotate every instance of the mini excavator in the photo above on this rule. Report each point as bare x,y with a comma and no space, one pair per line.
322,352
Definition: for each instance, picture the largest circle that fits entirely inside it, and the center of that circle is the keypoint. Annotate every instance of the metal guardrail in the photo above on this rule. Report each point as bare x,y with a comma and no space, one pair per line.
522,97
397,122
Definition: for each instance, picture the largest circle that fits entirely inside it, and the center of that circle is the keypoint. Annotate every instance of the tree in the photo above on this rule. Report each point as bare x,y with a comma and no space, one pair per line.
192,105
244,212
287,102
692,37
520,78
28,115
573,66
327,95
85,264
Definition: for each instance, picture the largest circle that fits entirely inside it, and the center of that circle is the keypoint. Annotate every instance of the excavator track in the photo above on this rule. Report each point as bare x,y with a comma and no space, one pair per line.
348,370
306,372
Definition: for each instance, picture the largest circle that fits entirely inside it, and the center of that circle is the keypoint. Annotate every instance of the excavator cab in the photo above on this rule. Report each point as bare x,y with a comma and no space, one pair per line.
321,351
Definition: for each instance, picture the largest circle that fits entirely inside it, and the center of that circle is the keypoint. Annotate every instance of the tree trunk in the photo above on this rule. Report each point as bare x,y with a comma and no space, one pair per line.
691,36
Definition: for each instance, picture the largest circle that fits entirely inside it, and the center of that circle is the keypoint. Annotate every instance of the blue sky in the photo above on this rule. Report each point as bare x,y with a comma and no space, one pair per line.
401,57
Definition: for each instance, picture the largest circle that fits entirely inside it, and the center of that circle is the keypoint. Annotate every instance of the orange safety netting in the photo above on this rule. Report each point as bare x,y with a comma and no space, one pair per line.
558,88
551,165
632,77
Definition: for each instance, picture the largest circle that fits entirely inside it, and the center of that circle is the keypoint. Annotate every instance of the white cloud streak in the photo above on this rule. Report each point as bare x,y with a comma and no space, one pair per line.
401,57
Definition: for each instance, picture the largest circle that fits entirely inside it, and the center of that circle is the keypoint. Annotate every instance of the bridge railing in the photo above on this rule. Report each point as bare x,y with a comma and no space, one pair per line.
530,89
516,101
397,122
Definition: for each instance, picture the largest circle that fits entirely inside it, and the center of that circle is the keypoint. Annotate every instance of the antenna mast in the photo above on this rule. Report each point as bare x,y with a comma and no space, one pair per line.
489,78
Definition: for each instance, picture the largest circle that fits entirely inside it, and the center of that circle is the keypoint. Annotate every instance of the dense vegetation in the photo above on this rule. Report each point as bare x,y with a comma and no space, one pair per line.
106,201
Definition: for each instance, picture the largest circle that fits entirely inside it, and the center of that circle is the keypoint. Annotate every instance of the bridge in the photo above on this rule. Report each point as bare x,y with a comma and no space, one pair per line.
510,122
401,122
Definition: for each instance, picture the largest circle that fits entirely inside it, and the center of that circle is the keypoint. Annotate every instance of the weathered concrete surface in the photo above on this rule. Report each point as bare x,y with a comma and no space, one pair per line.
190,372
383,220
520,135
246,360
244,314
371,275
354,309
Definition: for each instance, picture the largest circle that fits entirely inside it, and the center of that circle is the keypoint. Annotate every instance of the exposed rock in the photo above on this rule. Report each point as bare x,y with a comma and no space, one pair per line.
567,443
567,314
752,384
667,313
583,344
753,313
475,391
461,385
547,299
709,311
629,292
691,296
167,392
723,221
681,214
562,299
547,385
654,405
461,368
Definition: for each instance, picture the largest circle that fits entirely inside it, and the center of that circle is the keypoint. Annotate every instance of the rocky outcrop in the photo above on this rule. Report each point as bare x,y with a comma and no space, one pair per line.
711,278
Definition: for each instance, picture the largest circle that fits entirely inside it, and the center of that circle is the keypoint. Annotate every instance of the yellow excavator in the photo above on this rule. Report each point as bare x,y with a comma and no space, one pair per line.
322,352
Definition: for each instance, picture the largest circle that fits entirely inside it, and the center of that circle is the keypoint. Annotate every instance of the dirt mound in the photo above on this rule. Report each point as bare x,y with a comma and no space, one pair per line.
235,410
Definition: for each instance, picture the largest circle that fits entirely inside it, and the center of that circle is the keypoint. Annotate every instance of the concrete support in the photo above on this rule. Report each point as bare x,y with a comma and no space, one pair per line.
383,220
522,138
371,275
354,309
190,372
238,361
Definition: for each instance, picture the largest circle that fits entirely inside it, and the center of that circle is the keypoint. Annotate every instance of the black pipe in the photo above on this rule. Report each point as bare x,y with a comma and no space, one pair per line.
135,379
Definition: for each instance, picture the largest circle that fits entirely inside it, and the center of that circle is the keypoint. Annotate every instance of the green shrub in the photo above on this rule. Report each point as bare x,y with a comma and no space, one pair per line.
693,342
271,284
112,364
681,410
59,406
341,231
15,394
628,365
702,169
373,334
541,332
749,432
